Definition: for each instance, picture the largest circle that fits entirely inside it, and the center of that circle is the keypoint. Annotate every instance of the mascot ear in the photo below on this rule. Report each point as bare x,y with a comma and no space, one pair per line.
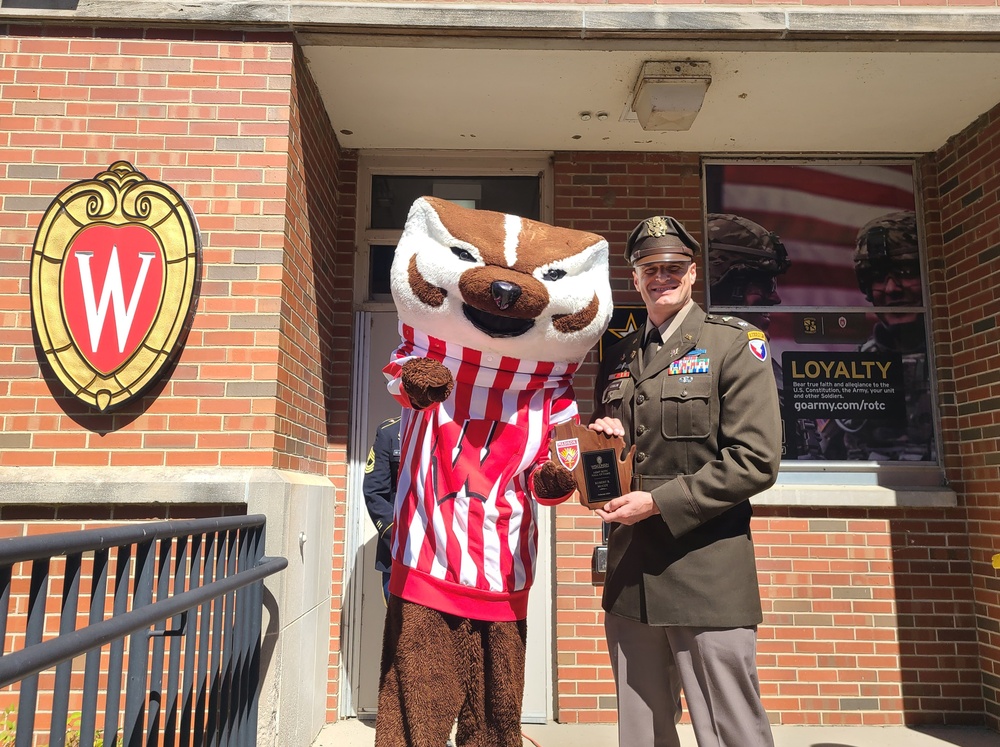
413,294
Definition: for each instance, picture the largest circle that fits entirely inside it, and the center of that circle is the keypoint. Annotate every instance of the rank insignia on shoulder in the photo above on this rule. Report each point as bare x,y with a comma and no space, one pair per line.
619,375
688,365
754,334
759,349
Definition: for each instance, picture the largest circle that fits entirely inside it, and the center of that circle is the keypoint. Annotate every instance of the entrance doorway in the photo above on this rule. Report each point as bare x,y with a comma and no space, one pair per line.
387,186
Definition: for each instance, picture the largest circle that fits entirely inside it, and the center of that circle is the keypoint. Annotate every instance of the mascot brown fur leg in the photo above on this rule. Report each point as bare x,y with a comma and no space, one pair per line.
434,665
503,668
422,686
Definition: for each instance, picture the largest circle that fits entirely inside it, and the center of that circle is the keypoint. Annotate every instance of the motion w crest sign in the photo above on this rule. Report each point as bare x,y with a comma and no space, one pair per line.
113,276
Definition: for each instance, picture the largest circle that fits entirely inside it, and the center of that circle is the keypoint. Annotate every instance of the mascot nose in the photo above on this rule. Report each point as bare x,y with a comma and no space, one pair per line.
504,293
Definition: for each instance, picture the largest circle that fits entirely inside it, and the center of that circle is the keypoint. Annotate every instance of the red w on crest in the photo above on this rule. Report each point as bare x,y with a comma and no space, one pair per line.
111,291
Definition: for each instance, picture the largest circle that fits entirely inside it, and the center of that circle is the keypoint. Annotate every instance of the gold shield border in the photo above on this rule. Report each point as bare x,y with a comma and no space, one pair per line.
117,197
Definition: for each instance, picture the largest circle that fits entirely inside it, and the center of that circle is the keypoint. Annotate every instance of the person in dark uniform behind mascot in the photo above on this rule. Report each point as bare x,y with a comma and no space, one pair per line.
379,488
681,597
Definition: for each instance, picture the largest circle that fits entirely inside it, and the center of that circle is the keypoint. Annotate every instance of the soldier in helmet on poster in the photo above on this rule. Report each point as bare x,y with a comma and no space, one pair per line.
744,261
887,264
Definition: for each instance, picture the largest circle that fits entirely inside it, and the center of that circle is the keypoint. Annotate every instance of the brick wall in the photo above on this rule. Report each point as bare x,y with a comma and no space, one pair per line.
867,617
207,114
322,202
962,211
868,614
234,123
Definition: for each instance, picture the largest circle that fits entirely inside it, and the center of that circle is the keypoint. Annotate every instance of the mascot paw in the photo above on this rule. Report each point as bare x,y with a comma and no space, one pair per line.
426,382
553,481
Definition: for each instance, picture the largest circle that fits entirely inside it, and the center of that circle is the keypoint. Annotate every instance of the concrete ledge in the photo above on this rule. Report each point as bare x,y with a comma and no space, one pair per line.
580,21
855,496
142,485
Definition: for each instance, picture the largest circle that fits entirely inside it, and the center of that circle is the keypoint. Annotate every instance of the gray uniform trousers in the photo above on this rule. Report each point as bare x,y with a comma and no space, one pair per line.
716,668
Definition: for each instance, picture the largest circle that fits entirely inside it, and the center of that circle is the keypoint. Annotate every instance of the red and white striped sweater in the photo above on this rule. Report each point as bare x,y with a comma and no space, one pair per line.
465,534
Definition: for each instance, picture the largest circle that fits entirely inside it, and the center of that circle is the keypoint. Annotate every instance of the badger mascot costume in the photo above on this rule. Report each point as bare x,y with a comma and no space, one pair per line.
496,313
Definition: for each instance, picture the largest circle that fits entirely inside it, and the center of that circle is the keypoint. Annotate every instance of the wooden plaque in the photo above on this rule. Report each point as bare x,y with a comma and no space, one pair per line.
601,464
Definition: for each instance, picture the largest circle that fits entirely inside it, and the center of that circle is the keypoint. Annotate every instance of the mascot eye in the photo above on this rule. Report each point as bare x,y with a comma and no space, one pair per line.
463,254
554,274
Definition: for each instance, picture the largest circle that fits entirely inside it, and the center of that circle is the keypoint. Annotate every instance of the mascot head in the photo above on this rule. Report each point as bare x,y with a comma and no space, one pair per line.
501,284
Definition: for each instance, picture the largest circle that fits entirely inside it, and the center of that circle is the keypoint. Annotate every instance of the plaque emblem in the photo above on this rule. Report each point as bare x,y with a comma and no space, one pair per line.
114,269
568,453
602,466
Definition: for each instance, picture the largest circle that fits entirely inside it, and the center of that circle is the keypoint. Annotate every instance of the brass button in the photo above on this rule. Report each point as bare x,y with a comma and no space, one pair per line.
641,456
640,399
684,393
641,429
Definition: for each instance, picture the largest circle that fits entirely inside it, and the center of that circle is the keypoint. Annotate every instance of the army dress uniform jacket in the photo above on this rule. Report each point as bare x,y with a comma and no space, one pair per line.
705,423
379,487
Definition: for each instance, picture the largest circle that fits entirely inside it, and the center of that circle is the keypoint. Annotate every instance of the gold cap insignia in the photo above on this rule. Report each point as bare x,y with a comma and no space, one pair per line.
657,226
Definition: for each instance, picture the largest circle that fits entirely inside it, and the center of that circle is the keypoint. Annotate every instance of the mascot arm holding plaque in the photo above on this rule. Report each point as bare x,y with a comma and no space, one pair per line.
598,464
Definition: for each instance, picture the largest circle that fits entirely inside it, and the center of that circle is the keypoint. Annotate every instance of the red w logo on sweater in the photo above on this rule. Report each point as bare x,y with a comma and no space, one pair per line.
477,458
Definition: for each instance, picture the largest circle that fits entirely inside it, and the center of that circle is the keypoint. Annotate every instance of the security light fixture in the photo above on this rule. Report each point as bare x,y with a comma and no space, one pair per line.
669,95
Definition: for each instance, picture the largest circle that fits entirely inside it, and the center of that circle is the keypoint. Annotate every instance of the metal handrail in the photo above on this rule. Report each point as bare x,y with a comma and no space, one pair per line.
209,569
41,546
17,665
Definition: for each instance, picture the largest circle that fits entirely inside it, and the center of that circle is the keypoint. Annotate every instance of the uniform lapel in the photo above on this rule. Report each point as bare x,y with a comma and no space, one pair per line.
635,352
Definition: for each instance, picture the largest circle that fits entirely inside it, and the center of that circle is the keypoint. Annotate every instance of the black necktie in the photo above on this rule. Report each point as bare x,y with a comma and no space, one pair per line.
651,346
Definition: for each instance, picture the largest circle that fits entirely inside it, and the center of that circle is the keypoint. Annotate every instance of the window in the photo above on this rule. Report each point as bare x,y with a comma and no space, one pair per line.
469,183
826,259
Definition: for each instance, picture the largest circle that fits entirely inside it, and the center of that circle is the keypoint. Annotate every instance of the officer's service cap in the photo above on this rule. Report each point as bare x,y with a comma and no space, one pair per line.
660,239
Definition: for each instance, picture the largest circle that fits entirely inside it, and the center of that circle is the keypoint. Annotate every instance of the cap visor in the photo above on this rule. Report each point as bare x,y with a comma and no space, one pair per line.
662,257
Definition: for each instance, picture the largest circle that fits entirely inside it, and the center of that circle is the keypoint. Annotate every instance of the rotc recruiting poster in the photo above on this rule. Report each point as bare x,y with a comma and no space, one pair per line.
825,259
